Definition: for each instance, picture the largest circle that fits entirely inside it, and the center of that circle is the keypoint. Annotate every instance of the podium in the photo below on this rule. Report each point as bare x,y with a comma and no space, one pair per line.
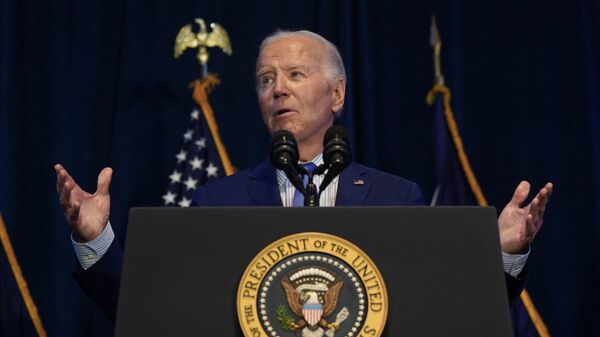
442,266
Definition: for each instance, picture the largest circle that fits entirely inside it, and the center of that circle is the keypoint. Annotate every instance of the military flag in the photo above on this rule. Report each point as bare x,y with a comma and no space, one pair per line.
457,184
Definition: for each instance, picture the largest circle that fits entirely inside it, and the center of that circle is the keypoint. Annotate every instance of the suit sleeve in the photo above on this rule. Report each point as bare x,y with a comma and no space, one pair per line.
514,286
102,280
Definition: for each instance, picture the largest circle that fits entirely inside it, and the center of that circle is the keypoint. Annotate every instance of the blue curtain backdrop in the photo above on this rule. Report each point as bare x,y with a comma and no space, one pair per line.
94,83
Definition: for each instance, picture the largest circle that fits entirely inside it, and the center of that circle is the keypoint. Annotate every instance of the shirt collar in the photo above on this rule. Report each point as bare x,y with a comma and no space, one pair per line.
318,160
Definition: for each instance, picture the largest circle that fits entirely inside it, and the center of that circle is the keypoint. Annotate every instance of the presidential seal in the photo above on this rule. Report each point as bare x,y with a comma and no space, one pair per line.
312,285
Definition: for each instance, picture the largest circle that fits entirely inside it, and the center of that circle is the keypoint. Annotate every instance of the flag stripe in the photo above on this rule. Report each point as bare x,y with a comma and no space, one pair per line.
16,269
534,315
200,96
312,316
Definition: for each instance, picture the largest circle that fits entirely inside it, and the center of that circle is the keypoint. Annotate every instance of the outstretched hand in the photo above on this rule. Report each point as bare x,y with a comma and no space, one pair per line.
519,224
86,213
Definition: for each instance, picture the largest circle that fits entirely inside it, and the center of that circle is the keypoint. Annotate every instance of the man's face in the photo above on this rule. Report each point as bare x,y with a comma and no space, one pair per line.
293,92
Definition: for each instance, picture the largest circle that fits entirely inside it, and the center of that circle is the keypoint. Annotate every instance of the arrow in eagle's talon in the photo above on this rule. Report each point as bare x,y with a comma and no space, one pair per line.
333,326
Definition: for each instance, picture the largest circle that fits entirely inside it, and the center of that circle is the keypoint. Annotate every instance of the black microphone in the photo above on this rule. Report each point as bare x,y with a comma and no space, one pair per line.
336,153
284,156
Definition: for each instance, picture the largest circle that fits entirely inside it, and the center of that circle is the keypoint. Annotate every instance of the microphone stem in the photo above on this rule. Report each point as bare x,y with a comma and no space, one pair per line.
311,197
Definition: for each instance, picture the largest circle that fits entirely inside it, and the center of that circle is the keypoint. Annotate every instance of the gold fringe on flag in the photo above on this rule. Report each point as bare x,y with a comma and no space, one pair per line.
21,283
539,324
202,88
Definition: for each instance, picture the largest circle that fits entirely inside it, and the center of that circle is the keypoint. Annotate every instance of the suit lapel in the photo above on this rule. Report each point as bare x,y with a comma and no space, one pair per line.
353,186
262,186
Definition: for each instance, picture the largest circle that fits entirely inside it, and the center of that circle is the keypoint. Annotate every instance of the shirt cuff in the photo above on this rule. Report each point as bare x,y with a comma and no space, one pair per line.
90,252
514,263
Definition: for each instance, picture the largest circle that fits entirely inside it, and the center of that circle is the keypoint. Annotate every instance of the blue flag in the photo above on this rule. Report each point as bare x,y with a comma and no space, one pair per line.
202,156
457,185
18,313
452,187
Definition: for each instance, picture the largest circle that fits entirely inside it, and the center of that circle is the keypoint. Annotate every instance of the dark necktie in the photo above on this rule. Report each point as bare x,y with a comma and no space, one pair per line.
298,196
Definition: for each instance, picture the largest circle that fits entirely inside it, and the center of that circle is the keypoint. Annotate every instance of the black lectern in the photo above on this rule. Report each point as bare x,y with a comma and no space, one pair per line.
442,266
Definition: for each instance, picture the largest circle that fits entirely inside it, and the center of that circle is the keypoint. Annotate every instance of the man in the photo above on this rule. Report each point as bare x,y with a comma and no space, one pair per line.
301,88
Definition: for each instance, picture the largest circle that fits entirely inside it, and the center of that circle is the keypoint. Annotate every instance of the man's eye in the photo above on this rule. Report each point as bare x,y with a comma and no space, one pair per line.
266,80
296,75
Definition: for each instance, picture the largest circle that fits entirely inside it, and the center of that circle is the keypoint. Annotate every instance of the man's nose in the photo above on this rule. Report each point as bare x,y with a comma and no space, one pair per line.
280,87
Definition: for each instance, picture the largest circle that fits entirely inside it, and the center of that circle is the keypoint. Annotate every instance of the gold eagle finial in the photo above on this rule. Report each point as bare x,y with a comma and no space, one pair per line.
203,40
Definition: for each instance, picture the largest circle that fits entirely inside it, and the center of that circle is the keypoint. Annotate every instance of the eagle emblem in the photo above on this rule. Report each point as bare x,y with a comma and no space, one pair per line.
186,38
312,296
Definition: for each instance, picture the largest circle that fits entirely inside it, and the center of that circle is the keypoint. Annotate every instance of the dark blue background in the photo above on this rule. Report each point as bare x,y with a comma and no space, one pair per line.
94,83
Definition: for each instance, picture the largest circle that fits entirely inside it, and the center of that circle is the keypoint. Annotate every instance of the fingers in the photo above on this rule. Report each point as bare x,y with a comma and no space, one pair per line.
72,213
64,186
545,193
62,177
521,193
64,195
537,207
540,201
531,229
104,179
534,212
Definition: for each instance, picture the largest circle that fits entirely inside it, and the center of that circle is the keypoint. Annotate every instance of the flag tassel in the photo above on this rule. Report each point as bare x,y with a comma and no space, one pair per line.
201,89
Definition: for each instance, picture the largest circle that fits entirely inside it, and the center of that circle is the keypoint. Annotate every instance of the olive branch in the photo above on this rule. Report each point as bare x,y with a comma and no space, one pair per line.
285,320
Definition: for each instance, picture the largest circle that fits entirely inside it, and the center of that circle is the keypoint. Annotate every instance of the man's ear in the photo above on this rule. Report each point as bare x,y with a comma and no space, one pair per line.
339,94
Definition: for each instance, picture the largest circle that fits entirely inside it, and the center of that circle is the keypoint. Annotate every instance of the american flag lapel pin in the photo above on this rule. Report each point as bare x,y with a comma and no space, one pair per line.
359,182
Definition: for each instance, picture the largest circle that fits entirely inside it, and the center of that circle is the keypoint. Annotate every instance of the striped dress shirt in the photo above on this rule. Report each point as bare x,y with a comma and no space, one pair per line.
287,190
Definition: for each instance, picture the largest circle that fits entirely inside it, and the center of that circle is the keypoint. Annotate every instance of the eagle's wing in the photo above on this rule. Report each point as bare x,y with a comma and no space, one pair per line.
331,298
185,39
293,298
219,37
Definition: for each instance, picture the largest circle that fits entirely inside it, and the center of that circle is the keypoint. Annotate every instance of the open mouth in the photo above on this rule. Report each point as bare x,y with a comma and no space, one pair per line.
281,112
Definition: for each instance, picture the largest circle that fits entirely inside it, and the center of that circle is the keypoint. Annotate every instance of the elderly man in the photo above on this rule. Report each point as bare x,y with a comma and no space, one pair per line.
301,88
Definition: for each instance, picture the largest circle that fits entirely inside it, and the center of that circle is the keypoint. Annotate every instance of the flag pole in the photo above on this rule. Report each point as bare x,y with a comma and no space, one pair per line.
203,40
436,43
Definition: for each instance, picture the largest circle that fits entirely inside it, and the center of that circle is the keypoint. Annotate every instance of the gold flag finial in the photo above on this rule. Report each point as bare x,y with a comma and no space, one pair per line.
203,40
436,43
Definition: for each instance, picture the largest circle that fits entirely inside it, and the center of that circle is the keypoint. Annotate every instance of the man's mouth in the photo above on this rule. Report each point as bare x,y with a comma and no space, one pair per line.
281,112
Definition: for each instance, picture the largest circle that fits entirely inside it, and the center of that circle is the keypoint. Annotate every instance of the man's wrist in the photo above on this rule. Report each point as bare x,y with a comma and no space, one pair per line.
514,263
88,253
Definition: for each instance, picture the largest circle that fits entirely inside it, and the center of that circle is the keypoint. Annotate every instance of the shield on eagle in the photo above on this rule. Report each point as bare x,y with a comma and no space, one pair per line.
312,313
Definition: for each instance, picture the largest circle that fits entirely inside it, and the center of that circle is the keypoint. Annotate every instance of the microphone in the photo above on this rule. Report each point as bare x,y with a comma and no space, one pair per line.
284,156
336,153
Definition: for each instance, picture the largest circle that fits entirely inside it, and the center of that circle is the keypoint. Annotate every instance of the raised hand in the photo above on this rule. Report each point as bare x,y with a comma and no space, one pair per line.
519,224
86,213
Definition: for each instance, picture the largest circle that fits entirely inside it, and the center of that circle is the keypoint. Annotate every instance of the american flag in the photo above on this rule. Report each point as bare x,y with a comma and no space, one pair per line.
198,162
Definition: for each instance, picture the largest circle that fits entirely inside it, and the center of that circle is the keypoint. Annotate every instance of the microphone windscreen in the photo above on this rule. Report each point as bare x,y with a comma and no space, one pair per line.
281,136
283,149
336,131
336,147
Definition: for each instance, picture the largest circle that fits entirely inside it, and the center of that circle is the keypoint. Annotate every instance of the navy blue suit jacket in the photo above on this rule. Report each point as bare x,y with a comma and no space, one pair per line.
358,186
